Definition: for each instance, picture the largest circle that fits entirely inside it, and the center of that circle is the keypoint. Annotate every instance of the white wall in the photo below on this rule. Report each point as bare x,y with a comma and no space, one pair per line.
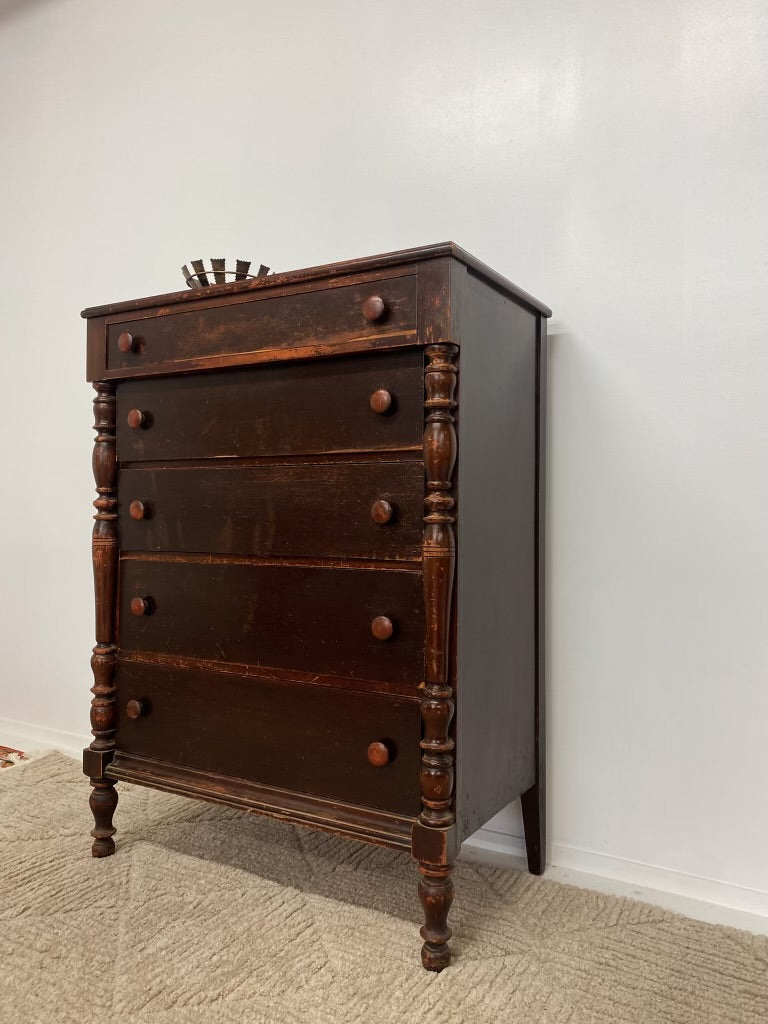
610,158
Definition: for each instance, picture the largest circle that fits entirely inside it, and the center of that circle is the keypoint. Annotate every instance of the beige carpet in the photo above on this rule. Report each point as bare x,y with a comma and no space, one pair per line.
206,914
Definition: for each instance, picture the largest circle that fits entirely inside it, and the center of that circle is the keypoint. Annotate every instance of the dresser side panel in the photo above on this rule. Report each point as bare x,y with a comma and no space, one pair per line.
496,518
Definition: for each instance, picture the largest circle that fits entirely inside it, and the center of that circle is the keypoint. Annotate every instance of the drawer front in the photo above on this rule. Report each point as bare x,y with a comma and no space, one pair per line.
277,324
332,510
311,739
308,619
318,406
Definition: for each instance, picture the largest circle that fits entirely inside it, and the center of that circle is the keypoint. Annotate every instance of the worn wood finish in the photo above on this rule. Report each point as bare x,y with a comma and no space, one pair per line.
275,324
335,510
352,821
330,510
403,689
310,739
274,410
403,261
307,618
103,800
439,555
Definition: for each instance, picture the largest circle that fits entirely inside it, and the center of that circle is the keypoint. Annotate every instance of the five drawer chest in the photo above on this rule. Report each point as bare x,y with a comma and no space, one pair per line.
318,554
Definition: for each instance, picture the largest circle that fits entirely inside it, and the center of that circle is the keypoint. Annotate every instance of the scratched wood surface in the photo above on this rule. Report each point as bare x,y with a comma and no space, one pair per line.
274,410
277,324
283,615
287,734
310,509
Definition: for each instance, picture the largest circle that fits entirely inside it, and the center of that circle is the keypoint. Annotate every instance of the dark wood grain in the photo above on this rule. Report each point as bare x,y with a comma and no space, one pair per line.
308,509
266,323
437,744
352,821
300,646
403,689
284,616
496,554
310,739
274,410
103,799
436,895
402,261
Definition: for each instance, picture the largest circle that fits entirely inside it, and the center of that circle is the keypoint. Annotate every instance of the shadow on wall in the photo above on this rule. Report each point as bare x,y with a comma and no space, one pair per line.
9,8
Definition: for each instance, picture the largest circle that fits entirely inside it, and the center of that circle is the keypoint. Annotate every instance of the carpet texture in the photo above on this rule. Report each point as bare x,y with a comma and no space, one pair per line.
207,914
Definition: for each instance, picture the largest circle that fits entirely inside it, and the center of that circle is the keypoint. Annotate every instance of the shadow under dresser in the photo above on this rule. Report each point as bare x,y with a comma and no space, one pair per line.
318,554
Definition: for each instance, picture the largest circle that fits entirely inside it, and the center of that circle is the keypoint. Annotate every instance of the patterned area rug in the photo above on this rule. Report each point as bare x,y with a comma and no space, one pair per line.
9,756
206,914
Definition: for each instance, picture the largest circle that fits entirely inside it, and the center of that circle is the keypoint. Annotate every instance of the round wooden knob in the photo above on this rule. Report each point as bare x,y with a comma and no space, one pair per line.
125,342
382,627
137,510
139,606
378,754
381,400
374,308
134,709
381,511
136,419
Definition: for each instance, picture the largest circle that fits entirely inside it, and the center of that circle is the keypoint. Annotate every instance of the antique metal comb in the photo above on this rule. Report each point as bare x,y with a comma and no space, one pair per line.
201,277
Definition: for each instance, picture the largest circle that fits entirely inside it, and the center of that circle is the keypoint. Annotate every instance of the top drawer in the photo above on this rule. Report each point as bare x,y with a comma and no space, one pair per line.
265,328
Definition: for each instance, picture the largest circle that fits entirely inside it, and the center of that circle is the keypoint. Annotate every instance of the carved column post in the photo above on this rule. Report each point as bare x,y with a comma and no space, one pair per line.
434,835
103,799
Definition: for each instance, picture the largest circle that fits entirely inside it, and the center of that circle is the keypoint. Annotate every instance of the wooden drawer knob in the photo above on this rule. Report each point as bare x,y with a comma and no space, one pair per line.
378,754
381,511
136,419
140,606
135,709
137,510
382,627
374,308
381,400
126,342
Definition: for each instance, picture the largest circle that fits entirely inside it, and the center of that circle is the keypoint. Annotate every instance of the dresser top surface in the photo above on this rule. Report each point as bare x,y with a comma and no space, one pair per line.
416,255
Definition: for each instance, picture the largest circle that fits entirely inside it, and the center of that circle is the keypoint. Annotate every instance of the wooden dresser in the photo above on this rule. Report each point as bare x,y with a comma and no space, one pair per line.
318,554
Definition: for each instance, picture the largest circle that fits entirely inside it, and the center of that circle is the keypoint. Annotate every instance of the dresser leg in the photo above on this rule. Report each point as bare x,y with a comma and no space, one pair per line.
103,801
436,895
535,824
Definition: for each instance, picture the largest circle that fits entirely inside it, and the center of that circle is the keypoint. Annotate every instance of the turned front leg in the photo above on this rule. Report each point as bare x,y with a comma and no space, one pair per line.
103,802
434,842
97,757
436,895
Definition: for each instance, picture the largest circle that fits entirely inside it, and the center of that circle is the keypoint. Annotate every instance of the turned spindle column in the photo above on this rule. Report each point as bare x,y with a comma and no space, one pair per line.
98,755
434,835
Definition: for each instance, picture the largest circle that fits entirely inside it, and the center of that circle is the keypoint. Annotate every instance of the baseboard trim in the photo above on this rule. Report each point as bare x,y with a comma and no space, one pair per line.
706,899
33,738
